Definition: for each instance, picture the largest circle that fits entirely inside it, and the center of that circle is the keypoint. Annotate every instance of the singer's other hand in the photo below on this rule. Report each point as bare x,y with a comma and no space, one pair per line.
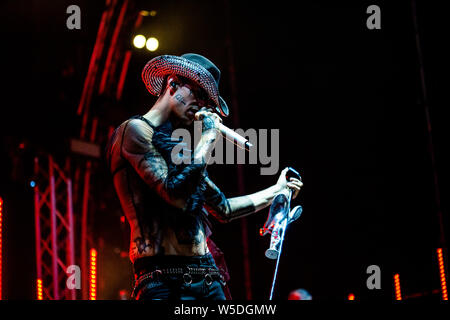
293,184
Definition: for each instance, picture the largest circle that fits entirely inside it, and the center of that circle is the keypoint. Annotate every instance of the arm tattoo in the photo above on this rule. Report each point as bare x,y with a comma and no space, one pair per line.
223,209
241,207
151,166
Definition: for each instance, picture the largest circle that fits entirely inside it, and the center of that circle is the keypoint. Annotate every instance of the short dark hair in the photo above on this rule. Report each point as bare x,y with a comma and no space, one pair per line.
164,86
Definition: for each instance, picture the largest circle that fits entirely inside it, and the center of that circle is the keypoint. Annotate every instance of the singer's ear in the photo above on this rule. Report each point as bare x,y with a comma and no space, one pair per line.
172,83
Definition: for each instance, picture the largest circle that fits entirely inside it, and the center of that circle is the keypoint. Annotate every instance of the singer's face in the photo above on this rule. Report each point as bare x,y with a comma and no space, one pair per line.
189,98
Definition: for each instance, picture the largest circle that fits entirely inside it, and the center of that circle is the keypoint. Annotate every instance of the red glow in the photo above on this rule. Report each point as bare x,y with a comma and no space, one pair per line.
123,73
93,276
442,274
1,212
351,296
398,293
122,219
39,289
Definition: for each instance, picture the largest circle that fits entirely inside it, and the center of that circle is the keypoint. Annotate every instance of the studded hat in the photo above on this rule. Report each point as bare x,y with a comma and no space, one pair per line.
192,66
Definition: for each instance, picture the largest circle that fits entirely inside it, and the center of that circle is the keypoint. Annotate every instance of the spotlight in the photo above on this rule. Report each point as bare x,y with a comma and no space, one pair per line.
152,44
146,13
139,41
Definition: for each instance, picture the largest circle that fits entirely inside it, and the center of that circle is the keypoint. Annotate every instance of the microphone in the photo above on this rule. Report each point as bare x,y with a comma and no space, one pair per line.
232,136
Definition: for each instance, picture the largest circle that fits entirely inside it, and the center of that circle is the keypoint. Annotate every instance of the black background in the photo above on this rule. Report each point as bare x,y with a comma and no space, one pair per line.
348,103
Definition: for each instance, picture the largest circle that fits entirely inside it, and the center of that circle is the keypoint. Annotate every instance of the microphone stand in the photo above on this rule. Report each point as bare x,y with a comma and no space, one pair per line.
284,225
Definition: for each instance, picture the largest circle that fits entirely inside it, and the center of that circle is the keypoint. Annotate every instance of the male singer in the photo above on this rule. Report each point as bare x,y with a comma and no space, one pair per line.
167,204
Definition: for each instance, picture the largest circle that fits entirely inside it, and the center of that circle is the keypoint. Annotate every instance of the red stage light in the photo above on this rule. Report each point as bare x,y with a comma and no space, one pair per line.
351,296
442,274
398,293
39,289
1,212
93,276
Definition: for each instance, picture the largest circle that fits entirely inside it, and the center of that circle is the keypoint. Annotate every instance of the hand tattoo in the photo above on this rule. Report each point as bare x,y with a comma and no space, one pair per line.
208,123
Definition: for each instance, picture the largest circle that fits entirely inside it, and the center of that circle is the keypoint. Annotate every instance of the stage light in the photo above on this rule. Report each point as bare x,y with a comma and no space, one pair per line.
146,13
39,289
32,184
351,296
398,292
93,275
442,274
139,41
152,44
1,213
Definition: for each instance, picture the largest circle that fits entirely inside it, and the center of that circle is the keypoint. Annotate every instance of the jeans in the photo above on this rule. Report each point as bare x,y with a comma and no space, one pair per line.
174,287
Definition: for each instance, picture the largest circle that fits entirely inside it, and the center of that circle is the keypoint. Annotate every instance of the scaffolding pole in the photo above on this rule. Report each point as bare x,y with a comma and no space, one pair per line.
54,227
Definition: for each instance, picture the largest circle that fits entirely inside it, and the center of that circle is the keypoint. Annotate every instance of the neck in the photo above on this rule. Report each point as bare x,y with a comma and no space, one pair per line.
159,113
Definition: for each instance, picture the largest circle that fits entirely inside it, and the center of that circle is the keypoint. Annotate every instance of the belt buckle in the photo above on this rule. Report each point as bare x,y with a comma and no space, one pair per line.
187,278
157,274
208,279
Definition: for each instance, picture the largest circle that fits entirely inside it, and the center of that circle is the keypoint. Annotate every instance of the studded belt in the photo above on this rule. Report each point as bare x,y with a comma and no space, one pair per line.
188,275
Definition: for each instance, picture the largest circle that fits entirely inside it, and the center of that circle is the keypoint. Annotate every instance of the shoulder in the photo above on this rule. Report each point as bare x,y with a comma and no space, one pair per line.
137,126
137,135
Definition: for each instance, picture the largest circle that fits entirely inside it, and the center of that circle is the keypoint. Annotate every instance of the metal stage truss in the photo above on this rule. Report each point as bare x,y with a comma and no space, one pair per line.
55,229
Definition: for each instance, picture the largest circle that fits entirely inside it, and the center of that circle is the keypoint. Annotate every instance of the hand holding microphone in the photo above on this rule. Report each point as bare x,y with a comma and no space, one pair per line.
227,133
210,120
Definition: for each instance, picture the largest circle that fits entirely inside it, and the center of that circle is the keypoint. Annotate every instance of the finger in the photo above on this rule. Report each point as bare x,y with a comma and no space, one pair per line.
298,184
295,192
215,116
293,186
208,113
295,180
199,115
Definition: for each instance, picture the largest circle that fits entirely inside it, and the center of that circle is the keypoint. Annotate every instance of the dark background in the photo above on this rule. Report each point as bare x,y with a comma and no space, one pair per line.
347,101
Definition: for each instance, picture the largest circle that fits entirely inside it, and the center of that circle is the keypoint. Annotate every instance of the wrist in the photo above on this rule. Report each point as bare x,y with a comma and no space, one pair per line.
203,150
277,188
